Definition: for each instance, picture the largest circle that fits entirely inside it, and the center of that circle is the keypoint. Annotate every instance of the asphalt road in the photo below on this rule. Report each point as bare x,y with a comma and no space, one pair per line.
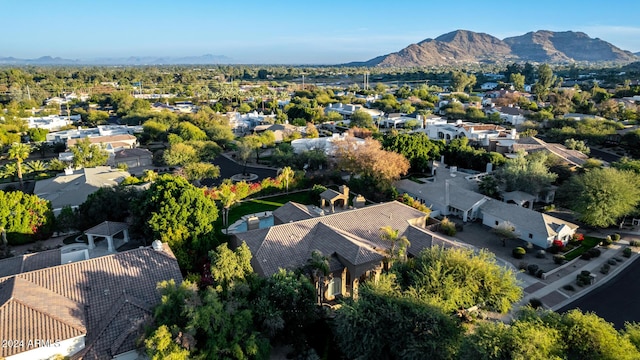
228,168
616,300
603,155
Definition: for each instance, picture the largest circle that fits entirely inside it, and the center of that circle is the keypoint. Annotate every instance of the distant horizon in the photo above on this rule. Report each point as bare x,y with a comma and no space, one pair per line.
288,33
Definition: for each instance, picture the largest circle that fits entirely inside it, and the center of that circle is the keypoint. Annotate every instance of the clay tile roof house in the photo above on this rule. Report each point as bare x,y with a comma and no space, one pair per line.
533,144
350,239
92,309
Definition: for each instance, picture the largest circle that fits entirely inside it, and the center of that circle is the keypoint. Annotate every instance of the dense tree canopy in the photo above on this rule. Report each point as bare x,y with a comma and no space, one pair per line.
547,335
384,325
234,317
108,203
370,160
24,217
174,211
526,173
417,148
86,154
602,195
362,119
461,81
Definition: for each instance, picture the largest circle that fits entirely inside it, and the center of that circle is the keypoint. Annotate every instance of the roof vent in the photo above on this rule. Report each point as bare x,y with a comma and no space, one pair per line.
157,245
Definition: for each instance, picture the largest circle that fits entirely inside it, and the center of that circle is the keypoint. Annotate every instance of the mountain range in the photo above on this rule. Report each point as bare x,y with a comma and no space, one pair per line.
454,48
207,59
463,46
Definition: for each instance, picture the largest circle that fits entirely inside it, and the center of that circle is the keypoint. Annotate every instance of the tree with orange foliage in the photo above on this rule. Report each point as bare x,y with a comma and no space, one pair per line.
368,159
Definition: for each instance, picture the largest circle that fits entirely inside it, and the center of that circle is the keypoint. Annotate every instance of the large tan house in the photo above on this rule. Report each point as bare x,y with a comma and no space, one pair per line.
351,240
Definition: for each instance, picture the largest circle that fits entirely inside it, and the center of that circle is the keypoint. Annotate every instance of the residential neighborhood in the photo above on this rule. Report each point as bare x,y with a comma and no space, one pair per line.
465,197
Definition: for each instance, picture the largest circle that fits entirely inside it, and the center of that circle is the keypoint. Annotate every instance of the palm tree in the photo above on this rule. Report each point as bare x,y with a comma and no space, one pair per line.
286,175
227,199
19,152
318,266
8,171
37,166
399,244
57,165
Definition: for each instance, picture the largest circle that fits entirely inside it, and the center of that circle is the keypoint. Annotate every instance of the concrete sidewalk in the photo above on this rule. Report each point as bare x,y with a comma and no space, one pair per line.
550,291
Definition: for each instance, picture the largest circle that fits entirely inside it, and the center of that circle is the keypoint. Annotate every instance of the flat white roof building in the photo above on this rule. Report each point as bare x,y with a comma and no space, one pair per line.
101,130
325,143
51,122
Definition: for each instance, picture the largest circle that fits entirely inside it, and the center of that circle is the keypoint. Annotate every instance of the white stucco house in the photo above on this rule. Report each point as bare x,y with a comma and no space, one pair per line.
532,226
323,143
481,133
449,195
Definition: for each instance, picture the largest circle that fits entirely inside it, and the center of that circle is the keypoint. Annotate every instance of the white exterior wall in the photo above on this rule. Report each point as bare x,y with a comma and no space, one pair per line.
512,119
537,239
565,234
41,350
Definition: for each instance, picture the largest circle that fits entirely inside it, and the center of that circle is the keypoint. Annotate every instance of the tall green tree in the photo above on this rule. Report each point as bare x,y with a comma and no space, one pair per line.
200,170
230,266
86,154
286,175
180,154
546,79
461,81
361,119
417,148
19,152
383,325
24,218
602,195
541,334
517,80
399,244
176,212
476,280
526,173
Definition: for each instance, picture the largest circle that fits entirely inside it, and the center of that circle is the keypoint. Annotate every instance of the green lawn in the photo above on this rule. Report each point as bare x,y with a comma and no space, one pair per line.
268,204
587,243
255,206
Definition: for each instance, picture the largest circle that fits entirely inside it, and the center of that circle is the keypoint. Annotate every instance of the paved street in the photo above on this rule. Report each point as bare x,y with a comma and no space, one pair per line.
617,300
228,168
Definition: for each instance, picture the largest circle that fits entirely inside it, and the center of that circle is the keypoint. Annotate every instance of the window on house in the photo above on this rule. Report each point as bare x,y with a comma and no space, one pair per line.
335,286
530,236
497,223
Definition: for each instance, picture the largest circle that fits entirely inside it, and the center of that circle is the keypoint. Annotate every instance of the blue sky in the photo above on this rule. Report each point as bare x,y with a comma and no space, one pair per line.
289,32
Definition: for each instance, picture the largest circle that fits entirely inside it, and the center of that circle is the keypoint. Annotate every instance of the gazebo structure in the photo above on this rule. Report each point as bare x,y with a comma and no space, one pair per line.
108,230
331,196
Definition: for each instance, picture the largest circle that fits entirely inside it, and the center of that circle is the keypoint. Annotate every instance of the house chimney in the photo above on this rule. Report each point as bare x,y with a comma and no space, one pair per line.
344,190
157,245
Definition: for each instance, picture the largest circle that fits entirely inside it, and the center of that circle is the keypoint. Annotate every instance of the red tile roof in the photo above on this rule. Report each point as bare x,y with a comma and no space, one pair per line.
114,294
353,235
